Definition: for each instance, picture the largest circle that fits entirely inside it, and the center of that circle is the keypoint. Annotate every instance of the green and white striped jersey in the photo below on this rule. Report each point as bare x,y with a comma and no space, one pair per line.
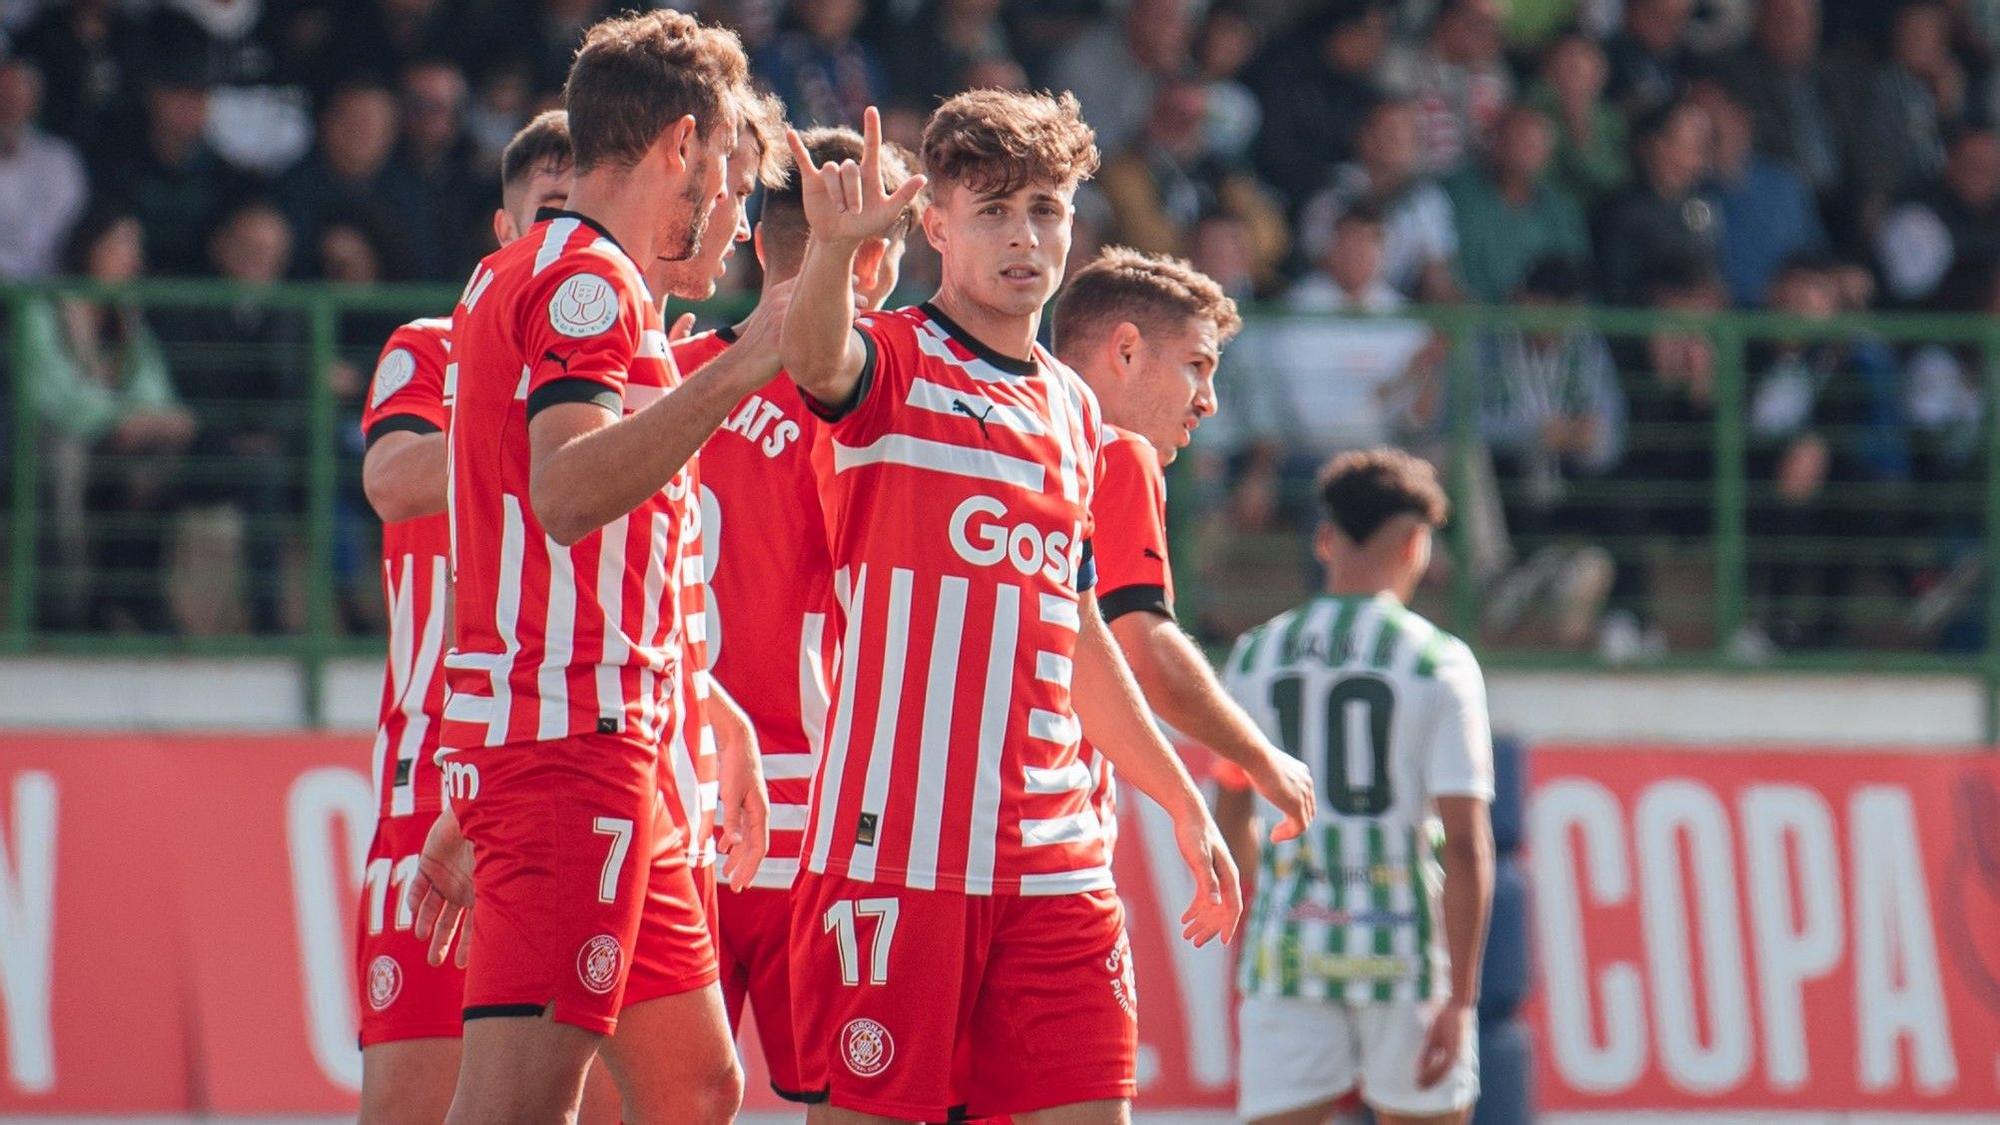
1389,711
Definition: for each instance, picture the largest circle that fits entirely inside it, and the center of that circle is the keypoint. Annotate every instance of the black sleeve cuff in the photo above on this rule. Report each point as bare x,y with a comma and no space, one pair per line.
1086,568
855,397
398,424
574,390
1135,599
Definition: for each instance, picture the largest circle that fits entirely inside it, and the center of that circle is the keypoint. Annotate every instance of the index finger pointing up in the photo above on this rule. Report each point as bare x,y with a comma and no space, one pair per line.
871,152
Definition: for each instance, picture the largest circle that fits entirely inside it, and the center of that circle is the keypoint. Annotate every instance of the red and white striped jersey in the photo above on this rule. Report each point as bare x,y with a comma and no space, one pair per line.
770,589
554,641
1130,548
407,394
957,491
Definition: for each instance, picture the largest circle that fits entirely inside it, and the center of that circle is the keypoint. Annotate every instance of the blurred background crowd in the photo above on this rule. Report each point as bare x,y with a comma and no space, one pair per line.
1818,158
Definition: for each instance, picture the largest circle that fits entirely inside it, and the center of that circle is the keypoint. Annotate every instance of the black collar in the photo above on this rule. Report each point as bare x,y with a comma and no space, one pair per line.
1007,363
544,214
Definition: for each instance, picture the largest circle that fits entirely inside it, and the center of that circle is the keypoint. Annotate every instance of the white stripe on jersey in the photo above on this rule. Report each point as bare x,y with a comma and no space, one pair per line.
930,337
836,748
521,387
1077,882
813,691
1059,610
888,715
656,583
417,684
1072,829
1068,779
940,399
1061,408
462,708
777,874
934,754
507,615
1053,668
938,456
788,818
559,635
553,241
653,345
788,767
611,603
984,833
1052,727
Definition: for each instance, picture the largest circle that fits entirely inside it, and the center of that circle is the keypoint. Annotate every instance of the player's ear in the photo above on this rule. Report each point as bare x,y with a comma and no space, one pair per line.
933,220
1125,343
757,245
680,140
1323,544
503,227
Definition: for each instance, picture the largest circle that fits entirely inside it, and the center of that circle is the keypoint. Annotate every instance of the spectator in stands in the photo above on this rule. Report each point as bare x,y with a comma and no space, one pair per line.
825,75
1944,402
1316,84
1591,160
388,37
1421,244
241,371
260,60
1458,79
176,183
112,425
458,198
1166,181
1767,210
1918,93
1649,56
42,182
1956,217
354,164
1508,213
90,53
1223,49
1824,422
1553,415
1113,68
947,37
1660,215
1793,95
1223,247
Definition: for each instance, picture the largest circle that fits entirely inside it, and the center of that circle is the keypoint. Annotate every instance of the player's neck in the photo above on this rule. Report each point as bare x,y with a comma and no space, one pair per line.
1361,580
608,198
1011,336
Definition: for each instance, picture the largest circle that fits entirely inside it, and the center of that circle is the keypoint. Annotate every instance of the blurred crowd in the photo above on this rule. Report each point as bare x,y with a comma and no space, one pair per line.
1816,157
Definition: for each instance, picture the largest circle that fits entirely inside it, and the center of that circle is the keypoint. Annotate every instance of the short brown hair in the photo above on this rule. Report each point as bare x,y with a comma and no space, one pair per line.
764,115
541,144
998,141
1150,290
636,75
783,214
1367,488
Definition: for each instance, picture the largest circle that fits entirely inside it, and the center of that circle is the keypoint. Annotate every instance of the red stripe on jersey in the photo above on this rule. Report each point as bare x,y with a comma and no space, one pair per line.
555,641
957,500
1130,549
770,590
409,384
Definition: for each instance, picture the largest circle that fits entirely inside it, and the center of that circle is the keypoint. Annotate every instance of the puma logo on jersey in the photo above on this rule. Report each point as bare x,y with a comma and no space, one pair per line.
1152,554
958,406
560,360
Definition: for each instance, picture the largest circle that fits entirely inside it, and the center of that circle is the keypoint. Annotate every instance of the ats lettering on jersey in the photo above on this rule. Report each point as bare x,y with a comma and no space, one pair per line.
763,422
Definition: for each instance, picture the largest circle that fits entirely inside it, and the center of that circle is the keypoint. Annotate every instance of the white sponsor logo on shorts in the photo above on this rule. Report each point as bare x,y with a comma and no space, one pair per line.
585,305
1119,965
385,982
393,374
867,1046
597,963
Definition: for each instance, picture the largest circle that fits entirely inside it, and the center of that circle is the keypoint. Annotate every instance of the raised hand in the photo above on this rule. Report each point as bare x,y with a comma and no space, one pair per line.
845,202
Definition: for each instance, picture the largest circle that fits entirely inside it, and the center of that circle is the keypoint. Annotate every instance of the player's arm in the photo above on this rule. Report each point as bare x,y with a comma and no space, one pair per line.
845,206
745,804
403,473
1182,689
1107,702
1459,770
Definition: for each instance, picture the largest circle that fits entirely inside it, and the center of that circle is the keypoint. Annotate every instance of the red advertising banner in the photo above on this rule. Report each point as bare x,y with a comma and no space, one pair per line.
1765,930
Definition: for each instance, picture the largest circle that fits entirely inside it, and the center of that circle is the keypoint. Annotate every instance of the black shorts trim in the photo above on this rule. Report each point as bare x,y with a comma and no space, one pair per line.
862,385
497,1011
800,1097
399,424
1135,599
574,390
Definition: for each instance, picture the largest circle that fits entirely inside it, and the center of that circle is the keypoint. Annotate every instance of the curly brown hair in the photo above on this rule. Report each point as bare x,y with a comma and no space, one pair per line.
764,115
1367,488
636,75
998,141
1153,291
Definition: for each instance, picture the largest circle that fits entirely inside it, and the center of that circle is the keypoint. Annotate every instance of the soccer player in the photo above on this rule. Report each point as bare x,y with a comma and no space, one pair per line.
1361,966
769,636
409,1008
958,948
1146,333
569,438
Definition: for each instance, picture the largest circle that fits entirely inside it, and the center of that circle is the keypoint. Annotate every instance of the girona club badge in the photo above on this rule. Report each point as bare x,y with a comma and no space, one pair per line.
385,982
867,1047
597,963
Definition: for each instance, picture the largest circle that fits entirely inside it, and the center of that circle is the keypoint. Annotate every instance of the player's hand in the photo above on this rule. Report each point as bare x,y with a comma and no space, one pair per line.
745,804
1287,783
682,329
440,894
845,202
1218,895
757,338
1443,1042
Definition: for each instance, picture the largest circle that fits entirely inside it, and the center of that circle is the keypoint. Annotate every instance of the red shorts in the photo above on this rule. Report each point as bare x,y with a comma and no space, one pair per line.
755,955
930,1005
704,893
584,902
402,996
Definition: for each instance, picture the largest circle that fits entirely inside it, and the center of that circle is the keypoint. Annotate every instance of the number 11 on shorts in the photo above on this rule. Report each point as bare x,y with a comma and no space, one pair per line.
839,922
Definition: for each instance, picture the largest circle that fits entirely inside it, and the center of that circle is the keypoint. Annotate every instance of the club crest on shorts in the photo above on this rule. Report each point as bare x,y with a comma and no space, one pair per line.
597,963
867,1047
385,982
585,305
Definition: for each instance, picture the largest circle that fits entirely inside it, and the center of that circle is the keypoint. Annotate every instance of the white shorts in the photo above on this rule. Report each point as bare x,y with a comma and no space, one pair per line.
1298,1053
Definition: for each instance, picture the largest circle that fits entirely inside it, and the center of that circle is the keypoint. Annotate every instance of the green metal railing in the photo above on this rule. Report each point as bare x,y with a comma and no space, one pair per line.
312,534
